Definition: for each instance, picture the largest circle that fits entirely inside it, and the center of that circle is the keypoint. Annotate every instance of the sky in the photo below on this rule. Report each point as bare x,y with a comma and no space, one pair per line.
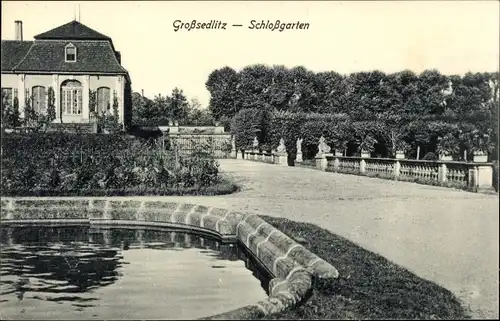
453,37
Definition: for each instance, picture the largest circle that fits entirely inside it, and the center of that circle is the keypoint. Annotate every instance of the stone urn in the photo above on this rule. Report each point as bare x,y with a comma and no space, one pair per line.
400,154
480,157
365,154
445,157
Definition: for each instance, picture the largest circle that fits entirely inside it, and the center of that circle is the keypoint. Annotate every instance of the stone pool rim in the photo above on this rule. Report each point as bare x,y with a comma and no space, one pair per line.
292,267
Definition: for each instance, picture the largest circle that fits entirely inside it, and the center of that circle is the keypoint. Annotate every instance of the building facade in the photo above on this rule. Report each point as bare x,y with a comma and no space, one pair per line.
79,64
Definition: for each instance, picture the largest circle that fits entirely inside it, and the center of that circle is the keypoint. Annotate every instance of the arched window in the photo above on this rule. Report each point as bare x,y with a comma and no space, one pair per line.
103,99
70,53
71,97
39,102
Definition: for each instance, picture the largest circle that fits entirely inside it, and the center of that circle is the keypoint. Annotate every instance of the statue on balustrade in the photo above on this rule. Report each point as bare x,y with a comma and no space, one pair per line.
323,147
255,143
299,145
281,148
233,143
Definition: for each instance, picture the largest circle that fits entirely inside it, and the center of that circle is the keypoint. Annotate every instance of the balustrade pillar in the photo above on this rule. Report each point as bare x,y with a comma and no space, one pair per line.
362,166
472,178
173,239
442,173
397,169
321,161
106,234
139,236
485,177
187,240
336,164
280,158
10,238
298,158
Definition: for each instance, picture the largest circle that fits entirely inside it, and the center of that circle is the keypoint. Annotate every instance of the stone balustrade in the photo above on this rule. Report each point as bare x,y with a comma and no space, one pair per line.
473,176
264,157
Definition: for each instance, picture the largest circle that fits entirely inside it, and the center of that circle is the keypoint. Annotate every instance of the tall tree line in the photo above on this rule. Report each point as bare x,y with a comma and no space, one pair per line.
361,95
427,109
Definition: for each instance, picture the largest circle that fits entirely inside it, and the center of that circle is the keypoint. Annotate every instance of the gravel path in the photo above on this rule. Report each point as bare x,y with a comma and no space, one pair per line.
444,235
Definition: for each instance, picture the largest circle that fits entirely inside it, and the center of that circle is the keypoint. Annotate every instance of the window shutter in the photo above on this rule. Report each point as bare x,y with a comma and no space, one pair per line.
46,100
14,96
107,95
80,101
99,100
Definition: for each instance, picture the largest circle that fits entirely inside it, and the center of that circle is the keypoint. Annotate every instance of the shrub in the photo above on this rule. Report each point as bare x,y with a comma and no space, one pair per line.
63,164
430,156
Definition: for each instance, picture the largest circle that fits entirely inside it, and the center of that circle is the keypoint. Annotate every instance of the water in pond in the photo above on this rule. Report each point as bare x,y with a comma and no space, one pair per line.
85,273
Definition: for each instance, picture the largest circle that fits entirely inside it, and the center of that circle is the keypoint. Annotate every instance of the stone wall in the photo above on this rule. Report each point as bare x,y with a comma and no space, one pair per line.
293,267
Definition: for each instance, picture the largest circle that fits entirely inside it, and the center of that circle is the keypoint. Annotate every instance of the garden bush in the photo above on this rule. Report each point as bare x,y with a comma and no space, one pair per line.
68,164
430,156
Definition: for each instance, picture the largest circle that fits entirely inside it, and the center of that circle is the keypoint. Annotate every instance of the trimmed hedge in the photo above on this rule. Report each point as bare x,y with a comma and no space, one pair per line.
381,135
50,142
248,124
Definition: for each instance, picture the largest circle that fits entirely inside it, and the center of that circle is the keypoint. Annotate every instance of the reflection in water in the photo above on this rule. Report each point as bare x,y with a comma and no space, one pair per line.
73,265
52,261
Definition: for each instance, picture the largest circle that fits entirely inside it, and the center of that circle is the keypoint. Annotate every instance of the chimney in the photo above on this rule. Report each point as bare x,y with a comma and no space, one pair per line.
19,30
142,92
119,57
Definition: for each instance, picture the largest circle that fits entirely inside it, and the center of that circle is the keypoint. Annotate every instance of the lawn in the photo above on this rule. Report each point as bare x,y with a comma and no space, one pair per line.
369,286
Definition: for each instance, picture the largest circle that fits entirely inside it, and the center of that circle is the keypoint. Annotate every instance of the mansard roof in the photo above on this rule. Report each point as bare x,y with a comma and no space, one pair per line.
95,52
73,30
91,56
13,52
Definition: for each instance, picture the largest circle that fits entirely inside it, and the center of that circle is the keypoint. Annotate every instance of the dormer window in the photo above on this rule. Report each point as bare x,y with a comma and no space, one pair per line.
70,53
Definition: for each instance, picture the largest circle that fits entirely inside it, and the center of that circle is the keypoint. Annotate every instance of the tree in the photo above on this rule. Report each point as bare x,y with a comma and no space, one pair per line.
329,88
177,106
222,85
254,87
199,116
280,90
432,92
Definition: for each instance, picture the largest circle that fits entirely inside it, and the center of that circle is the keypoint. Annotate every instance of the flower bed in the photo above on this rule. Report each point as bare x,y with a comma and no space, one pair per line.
103,165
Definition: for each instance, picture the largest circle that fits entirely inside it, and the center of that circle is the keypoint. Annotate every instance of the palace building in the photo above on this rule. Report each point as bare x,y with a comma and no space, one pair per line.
81,65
